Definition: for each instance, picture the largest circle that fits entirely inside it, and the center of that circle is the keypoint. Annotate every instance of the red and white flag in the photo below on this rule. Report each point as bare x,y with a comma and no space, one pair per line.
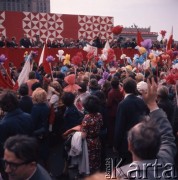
24,74
42,60
170,40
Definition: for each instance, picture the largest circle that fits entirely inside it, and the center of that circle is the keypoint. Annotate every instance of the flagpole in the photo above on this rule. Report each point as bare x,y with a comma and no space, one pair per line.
51,71
176,92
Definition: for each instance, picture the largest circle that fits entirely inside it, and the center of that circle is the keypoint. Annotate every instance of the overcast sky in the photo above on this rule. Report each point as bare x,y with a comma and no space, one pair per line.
159,14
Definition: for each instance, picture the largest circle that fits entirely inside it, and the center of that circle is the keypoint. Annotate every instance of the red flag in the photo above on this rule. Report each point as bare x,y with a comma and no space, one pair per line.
169,43
139,38
43,61
4,83
7,75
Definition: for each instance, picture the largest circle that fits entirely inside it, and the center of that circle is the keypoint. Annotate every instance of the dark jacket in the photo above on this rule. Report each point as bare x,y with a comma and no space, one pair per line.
165,157
72,117
26,104
13,123
129,112
40,115
168,108
40,173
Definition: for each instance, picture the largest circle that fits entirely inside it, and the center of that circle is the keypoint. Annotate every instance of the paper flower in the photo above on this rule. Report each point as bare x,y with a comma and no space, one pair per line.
90,55
34,54
87,48
77,60
140,60
147,44
60,55
111,55
163,33
2,58
141,50
50,58
104,78
100,62
123,56
175,61
25,54
175,53
67,59
71,87
64,69
80,55
171,78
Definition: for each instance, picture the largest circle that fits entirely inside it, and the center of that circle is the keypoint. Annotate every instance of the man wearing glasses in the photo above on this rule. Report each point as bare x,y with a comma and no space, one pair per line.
20,159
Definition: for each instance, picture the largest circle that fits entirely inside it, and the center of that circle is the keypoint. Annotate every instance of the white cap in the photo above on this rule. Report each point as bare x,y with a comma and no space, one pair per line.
142,86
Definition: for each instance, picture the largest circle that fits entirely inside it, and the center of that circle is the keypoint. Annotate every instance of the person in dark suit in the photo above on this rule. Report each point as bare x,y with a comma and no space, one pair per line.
20,159
25,42
151,143
25,101
2,42
129,112
165,103
14,122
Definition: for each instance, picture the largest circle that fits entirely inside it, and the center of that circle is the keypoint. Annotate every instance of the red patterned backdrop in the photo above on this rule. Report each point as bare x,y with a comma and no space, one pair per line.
54,25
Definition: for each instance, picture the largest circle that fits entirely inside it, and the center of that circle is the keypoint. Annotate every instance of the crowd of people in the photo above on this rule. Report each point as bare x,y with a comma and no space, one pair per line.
86,111
124,105
116,42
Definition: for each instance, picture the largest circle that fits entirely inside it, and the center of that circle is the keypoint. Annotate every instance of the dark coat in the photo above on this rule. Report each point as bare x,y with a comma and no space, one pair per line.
26,104
168,108
72,117
165,155
129,112
40,115
40,173
13,123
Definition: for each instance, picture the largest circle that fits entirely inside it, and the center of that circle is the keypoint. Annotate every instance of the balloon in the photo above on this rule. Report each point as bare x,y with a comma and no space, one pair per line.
117,30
